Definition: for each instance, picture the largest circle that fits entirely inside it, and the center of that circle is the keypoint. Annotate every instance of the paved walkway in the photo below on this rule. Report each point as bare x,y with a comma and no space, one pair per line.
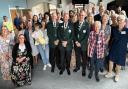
47,80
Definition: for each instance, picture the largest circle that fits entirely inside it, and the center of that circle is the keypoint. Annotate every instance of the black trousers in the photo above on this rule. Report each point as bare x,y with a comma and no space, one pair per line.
65,56
54,56
96,64
81,58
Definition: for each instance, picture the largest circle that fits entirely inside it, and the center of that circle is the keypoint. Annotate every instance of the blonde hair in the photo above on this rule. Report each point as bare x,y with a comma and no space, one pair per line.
122,17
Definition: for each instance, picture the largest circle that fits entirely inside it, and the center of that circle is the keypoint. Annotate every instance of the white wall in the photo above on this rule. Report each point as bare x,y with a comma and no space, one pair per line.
32,3
105,2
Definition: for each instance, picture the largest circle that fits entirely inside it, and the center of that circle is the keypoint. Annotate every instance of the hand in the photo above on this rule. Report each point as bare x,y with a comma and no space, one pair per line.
37,39
78,44
20,59
64,43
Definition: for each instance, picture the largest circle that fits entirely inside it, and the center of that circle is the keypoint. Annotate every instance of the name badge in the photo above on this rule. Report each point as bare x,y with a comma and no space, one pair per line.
84,31
123,32
69,31
99,42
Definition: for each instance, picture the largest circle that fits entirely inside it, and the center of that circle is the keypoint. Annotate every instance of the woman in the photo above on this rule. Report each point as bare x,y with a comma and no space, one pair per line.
31,41
41,41
35,20
107,31
118,48
96,46
21,69
5,54
90,20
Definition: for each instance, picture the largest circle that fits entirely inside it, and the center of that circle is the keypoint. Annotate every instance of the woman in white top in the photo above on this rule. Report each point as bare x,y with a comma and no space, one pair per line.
41,41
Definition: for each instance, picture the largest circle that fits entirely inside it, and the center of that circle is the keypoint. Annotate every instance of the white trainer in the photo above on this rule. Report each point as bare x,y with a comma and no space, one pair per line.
49,65
44,67
109,75
116,78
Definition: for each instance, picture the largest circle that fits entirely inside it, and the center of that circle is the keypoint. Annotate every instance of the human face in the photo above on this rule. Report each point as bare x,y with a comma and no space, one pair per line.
101,9
58,16
105,19
21,39
54,16
66,17
29,25
97,26
4,31
90,19
21,25
35,18
5,19
81,16
121,22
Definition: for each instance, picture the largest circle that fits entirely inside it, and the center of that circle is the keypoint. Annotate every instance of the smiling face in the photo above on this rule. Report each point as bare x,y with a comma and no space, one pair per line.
81,16
4,31
66,17
21,39
97,26
121,21
105,19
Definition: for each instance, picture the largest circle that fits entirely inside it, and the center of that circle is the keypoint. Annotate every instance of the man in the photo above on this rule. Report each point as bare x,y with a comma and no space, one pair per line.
53,41
81,33
17,21
65,34
98,17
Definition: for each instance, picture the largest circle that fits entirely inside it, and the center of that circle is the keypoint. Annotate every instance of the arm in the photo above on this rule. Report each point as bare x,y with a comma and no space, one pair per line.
14,52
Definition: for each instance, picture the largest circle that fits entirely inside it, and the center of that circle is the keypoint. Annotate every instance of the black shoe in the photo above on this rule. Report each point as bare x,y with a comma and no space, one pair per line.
90,75
97,78
83,73
52,70
101,70
59,67
61,72
68,72
76,69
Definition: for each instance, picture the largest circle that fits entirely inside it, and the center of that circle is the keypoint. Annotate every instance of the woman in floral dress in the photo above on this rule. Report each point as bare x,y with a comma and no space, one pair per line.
5,53
21,68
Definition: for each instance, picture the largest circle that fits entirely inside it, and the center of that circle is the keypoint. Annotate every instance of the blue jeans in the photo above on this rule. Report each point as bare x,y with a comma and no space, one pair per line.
44,52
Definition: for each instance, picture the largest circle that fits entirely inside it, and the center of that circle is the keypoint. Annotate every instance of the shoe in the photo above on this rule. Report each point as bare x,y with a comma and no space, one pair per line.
44,67
109,75
76,69
52,70
61,72
68,72
97,78
83,73
116,78
101,70
90,75
49,65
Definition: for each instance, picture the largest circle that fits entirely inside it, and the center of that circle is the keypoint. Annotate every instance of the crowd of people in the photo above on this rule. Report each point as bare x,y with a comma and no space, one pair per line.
99,40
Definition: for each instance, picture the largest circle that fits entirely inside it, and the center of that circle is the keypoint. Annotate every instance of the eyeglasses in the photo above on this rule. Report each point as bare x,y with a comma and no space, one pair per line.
21,37
120,20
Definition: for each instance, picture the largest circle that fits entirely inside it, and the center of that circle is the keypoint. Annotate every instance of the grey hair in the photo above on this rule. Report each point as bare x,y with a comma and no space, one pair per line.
98,22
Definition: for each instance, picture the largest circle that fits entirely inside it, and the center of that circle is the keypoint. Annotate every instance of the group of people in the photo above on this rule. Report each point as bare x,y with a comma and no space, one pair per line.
99,41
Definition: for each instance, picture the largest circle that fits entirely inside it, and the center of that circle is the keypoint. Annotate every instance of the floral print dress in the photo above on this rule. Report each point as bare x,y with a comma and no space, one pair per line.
21,72
5,58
